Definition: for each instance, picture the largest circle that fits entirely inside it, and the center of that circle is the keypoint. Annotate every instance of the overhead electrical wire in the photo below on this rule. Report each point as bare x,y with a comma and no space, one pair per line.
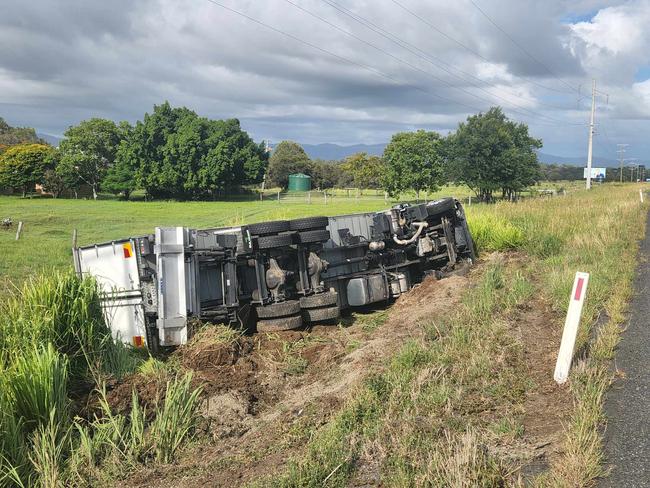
521,48
427,57
339,57
347,60
469,49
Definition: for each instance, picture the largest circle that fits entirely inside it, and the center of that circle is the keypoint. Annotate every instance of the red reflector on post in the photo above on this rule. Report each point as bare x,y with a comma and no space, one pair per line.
138,341
579,285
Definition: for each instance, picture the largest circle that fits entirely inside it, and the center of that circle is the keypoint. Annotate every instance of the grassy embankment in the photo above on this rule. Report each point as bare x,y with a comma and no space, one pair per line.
426,419
446,408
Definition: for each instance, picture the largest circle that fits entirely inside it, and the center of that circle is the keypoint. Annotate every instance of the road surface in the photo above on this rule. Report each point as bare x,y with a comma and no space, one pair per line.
627,406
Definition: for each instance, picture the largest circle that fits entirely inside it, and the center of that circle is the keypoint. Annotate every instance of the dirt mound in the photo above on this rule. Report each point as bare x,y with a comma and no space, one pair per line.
263,392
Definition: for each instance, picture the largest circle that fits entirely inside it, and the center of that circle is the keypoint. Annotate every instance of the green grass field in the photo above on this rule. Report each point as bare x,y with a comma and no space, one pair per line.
48,224
471,355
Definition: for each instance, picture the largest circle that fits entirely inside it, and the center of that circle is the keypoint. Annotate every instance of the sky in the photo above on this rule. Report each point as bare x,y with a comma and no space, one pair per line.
340,71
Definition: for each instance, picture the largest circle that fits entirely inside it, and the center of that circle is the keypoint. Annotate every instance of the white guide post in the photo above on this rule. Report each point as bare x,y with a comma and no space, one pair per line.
641,195
571,324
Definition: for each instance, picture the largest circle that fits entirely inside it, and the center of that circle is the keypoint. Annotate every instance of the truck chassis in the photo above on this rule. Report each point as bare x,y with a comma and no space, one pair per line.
270,276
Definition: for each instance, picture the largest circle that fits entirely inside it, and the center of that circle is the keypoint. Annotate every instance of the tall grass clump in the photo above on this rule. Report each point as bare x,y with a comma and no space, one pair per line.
54,342
62,310
493,233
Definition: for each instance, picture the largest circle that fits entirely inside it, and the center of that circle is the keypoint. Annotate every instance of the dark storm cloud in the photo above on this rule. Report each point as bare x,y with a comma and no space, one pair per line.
63,61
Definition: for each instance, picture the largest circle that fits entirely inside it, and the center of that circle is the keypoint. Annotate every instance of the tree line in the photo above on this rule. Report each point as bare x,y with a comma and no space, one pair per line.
174,153
488,153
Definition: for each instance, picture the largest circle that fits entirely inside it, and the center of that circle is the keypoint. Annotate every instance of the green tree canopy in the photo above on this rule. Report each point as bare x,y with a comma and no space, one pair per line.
287,158
366,171
174,153
413,162
490,153
23,166
87,151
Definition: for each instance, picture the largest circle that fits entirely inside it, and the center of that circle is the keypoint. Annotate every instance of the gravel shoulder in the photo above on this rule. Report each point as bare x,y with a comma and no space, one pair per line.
627,407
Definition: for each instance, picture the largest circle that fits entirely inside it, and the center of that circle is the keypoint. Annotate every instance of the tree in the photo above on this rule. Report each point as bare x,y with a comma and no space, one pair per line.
120,177
288,158
53,183
23,166
366,171
413,162
88,150
490,153
177,154
10,136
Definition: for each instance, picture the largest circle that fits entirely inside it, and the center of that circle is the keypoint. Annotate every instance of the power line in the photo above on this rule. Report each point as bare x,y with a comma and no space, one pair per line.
428,73
469,49
339,57
521,48
432,60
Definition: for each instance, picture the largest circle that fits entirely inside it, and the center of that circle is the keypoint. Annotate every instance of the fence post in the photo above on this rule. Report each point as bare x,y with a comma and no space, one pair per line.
261,196
278,197
641,195
470,200
20,229
74,239
309,197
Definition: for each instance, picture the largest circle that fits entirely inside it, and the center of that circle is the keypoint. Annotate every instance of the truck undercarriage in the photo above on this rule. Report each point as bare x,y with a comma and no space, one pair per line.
270,276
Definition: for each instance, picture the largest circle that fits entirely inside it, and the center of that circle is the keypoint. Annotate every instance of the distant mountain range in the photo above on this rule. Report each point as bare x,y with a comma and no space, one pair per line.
330,151
576,161
334,151
50,139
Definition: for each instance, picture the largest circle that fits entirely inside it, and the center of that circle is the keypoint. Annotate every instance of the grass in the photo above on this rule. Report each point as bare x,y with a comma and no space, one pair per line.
429,417
55,345
433,416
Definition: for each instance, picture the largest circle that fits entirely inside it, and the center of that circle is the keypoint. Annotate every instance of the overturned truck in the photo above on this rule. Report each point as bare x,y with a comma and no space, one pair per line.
272,276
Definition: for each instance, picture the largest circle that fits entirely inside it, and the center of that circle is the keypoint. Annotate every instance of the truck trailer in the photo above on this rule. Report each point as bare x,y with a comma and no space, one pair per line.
270,276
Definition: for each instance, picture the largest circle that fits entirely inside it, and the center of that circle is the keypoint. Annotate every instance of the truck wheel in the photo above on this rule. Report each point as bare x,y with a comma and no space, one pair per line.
309,223
321,314
274,310
266,228
319,300
275,325
271,242
440,206
313,236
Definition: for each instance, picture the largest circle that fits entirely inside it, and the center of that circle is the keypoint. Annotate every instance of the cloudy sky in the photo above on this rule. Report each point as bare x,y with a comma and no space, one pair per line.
342,71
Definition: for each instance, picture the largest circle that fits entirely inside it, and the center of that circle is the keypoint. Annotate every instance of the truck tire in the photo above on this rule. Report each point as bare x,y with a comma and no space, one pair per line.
321,314
310,236
319,300
309,223
440,206
271,242
275,310
267,228
275,325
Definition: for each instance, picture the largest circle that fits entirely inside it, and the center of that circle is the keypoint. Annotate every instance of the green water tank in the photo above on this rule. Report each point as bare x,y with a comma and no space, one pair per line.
299,182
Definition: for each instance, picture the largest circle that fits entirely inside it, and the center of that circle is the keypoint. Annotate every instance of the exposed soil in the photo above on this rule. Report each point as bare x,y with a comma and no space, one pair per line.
265,394
547,404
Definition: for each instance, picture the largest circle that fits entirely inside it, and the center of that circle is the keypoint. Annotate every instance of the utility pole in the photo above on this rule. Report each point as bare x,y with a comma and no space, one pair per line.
621,159
591,132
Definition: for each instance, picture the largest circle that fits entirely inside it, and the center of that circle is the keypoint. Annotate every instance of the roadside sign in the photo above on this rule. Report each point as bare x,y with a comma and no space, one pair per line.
571,324
596,173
